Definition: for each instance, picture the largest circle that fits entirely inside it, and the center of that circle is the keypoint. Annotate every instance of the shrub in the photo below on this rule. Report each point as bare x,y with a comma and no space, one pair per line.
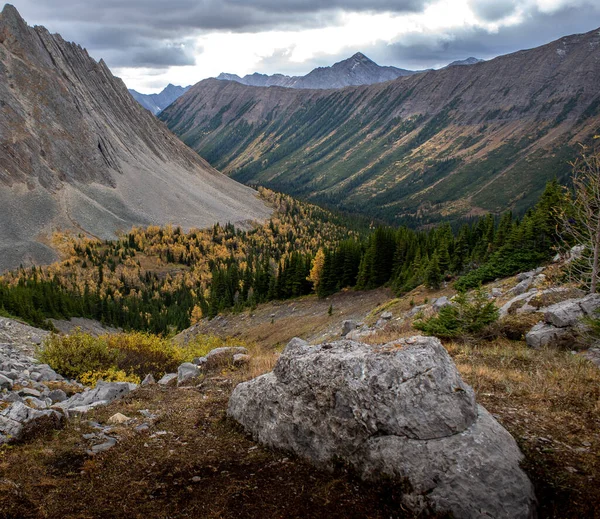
122,357
78,353
90,378
467,316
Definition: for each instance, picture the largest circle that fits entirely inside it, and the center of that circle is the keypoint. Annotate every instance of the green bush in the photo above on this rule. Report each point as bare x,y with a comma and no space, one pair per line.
467,316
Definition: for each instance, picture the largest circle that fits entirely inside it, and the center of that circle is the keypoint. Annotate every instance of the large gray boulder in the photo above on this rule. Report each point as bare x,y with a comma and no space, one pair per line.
187,373
348,325
400,410
544,334
570,312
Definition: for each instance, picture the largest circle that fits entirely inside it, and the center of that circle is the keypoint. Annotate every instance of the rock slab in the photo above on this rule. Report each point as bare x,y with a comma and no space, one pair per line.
400,410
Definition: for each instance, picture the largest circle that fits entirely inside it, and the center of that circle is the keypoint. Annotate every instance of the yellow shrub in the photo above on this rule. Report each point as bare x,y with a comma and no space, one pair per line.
75,354
90,378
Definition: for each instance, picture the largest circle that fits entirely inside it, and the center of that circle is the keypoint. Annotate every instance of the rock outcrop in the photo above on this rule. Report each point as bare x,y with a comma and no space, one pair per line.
78,152
395,411
562,324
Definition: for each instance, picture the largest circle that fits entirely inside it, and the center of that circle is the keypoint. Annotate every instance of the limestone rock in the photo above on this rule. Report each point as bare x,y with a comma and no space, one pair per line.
347,326
5,382
386,316
441,303
223,356
148,380
118,419
18,421
544,334
103,393
187,373
570,312
169,379
397,410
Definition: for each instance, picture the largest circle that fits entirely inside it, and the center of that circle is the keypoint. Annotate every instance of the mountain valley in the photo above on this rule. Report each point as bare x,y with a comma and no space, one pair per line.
443,144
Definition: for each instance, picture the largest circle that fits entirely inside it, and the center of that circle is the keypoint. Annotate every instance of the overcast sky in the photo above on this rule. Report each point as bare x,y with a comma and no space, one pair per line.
150,43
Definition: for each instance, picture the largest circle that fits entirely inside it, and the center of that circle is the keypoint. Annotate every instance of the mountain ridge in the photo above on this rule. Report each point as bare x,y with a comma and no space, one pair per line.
353,71
78,153
156,103
448,143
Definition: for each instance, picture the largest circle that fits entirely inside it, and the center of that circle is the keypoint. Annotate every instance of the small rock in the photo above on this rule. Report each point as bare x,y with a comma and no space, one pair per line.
441,303
26,391
348,326
220,357
170,379
142,428
148,380
5,382
187,373
57,395
386,316
103,447
118,418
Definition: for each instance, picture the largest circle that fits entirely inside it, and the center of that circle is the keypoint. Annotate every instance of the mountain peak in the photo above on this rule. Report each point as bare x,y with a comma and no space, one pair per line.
10,17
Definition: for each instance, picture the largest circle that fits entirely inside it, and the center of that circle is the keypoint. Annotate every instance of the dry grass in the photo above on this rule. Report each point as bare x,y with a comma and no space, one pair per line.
550,402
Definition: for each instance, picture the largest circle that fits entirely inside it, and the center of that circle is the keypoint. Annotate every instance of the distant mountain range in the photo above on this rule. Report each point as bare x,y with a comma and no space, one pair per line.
158,102
78,153
433,146
357,70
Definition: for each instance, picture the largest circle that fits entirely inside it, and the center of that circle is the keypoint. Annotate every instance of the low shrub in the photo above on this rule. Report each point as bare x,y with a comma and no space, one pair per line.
78,353
122,357
468,315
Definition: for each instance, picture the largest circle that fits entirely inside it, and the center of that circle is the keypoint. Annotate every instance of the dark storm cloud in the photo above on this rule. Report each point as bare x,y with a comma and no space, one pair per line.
149,32
492,10
158,34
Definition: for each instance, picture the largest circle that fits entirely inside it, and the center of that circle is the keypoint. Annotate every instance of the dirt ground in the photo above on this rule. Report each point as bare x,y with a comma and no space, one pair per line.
192,463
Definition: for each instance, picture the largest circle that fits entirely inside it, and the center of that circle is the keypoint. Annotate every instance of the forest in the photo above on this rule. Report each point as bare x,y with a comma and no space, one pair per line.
162,280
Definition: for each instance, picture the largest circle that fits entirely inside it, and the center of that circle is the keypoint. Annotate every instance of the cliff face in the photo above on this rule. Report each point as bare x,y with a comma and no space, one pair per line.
431,146
77,152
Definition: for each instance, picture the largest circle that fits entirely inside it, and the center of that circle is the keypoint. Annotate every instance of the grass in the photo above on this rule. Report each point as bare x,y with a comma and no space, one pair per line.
549,400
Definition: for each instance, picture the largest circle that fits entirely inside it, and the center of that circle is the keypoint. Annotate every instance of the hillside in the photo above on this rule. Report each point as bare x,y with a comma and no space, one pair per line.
78,153
443,144
156,103
356,70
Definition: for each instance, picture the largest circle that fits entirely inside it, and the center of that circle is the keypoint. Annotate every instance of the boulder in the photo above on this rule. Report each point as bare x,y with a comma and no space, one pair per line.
544,334
348,326
400,410
386,316
187,373
220,357
570,312
57,395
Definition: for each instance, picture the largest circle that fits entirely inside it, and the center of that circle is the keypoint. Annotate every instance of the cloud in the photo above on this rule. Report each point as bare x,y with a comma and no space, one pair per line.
492,10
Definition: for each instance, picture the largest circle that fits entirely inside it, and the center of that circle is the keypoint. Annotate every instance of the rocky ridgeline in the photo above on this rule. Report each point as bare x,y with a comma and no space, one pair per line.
33,397
399,411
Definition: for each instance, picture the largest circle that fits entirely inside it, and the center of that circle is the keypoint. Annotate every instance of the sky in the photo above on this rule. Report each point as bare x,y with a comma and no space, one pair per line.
150,43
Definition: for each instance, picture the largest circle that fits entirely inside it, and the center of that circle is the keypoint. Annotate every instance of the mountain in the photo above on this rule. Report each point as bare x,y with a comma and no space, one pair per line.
434,146
78,153
158,102
468,61
357,70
